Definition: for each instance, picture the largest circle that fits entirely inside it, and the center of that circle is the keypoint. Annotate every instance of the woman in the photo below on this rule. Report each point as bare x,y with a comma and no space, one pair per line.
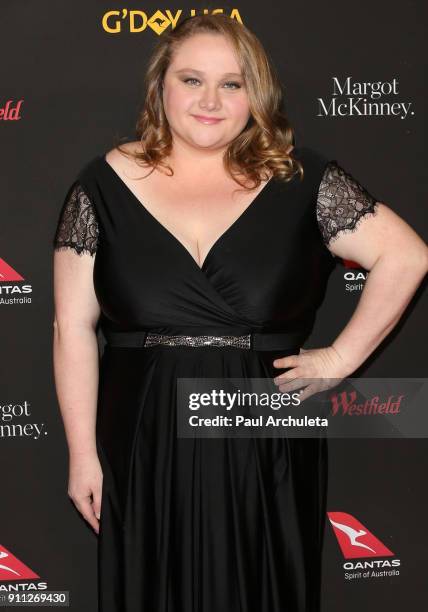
212,262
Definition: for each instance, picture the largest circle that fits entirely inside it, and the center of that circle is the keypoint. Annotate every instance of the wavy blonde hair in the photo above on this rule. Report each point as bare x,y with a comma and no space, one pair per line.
260,150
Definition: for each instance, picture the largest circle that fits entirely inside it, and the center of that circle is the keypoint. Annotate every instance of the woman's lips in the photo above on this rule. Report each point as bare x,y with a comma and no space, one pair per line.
207,120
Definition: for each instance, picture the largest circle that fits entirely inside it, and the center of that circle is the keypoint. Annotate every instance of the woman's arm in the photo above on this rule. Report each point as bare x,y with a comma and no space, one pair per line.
397,260
75,359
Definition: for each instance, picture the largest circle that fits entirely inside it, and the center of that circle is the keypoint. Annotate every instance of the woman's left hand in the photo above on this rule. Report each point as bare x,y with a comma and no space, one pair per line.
324,366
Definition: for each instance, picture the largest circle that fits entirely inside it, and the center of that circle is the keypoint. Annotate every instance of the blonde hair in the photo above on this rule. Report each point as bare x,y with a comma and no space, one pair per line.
260,150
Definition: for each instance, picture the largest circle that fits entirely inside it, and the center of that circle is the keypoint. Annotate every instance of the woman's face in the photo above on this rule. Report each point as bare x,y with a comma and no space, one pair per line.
204,94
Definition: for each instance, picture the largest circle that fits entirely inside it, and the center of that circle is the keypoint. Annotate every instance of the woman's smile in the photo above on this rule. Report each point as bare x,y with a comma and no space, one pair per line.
207,120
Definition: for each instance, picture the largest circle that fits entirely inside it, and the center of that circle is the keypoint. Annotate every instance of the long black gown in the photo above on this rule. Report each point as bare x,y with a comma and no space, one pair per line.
191,524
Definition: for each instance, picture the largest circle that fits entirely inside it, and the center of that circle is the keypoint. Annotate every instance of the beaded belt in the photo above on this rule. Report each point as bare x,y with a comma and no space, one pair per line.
254,340
238,341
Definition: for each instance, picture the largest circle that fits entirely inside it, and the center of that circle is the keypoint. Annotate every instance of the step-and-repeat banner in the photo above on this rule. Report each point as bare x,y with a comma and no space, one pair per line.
72,83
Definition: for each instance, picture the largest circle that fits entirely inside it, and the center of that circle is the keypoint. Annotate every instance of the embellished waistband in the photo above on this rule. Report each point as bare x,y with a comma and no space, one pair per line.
257,341
243,341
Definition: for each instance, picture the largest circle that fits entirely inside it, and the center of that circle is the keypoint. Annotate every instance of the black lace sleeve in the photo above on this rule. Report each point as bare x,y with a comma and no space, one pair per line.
77,226
342,203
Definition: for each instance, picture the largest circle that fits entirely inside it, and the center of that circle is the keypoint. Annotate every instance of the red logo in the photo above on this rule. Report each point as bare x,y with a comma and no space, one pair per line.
13,569
348,263
9,112
354,539
346,404
7,273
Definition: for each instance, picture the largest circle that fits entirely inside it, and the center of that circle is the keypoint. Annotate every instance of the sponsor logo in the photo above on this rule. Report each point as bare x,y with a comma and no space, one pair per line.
356,541
345,404
11,289
135,21
354,275
351,98
11,568
15,422
20,585
10,112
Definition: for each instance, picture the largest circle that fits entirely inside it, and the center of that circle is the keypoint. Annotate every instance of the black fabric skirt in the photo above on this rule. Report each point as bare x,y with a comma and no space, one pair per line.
202,524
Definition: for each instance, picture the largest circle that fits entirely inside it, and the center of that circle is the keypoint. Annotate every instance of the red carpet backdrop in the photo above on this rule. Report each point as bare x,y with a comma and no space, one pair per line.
72,75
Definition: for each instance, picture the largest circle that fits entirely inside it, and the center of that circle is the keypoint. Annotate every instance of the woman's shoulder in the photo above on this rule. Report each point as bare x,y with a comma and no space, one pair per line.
121,157
118,157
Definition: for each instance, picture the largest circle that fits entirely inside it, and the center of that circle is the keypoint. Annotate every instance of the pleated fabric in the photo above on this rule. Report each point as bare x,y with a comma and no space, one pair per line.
202,524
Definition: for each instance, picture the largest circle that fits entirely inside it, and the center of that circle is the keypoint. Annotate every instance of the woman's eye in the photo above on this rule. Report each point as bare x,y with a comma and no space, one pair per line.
229,84
236,85
190,79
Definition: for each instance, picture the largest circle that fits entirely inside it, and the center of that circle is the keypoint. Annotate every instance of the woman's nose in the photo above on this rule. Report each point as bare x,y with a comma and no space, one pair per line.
209,98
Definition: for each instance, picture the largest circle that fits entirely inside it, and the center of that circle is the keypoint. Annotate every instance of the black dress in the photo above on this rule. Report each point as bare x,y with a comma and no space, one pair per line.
191,524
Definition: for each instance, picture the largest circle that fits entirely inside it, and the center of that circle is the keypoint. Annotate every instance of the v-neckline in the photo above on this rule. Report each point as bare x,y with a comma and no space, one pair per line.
217,241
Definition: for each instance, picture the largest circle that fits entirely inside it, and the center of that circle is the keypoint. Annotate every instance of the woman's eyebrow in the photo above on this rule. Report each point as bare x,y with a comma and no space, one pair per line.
237,74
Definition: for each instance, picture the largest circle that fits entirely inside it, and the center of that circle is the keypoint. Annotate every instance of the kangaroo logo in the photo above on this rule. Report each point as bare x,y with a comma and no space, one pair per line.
13,569
354,539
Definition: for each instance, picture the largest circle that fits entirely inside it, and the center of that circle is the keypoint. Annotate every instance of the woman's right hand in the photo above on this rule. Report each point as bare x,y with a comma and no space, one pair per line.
85,487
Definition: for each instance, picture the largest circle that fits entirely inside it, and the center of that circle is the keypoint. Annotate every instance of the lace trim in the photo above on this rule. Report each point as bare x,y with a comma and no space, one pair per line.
77,226
342,203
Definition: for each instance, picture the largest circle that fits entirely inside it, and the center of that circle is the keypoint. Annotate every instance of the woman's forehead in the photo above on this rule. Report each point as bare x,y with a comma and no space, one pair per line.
205,54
